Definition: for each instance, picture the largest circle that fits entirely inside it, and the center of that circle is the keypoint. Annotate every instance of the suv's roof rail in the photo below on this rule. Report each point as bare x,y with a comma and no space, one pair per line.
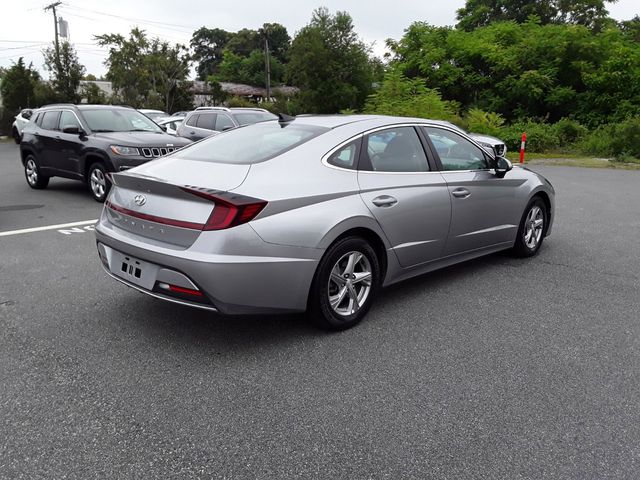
59,105
224,109
254,109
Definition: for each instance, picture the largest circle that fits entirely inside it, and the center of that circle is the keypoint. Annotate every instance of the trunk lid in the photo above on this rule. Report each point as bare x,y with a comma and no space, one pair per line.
156,200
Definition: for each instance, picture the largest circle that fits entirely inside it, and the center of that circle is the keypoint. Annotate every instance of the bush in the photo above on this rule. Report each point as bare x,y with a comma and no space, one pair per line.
618,140
488,123
541,137
569,131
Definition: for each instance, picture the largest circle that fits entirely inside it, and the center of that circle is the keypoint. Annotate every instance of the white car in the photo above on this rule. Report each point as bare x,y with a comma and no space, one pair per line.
153,114
19,123
170,123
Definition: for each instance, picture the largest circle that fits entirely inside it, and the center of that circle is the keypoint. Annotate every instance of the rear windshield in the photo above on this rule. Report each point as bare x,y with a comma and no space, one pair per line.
246,118
251,144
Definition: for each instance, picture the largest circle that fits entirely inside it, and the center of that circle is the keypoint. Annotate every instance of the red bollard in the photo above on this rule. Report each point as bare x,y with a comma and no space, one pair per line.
522,145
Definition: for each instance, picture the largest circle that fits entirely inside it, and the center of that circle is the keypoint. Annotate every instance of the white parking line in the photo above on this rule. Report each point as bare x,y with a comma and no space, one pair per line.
48,227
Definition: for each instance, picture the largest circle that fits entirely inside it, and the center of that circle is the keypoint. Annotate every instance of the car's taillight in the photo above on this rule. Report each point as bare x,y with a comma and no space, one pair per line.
230,209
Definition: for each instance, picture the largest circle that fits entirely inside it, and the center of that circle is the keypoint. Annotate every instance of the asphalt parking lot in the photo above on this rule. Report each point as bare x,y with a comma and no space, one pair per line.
497,368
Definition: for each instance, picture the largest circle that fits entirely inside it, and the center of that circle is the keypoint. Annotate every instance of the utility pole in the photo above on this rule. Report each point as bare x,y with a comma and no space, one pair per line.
52,7
267,65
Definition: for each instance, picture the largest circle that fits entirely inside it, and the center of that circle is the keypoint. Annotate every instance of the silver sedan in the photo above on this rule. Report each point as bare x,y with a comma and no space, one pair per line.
315,213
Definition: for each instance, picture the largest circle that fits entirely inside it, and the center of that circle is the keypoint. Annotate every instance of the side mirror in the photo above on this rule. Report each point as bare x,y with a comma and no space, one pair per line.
73,129
228,127
163,128
502,166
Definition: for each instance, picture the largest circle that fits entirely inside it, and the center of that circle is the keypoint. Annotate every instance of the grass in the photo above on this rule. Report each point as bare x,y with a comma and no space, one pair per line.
573,160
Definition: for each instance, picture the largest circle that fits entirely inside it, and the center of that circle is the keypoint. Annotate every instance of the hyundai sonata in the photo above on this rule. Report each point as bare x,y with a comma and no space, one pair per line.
315,213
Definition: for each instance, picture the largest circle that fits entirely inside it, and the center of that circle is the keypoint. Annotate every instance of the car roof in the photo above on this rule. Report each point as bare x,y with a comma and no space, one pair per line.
372,121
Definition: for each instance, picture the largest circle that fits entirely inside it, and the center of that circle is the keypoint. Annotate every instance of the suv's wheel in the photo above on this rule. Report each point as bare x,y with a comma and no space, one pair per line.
532,229
97,181
345,284
35,179
16,136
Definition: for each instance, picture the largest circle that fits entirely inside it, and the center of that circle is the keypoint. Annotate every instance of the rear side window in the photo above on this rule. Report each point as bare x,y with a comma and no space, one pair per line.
192,120
346,156
207,121
251,144
50,120
396,150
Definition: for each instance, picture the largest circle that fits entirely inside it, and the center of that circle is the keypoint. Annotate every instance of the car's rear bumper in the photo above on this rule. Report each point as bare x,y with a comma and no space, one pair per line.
262,281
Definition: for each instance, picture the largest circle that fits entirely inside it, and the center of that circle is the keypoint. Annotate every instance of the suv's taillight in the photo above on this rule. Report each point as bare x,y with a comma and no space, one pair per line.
230,209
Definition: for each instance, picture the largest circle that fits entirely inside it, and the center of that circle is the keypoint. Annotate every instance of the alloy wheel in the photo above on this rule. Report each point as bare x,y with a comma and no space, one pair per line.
32,172
533,227
98,183
350,283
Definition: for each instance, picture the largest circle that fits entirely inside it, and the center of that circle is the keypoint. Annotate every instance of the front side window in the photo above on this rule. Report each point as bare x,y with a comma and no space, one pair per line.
118,120
50,120
68,119
455,151
192,120
223,122
251,144
396,150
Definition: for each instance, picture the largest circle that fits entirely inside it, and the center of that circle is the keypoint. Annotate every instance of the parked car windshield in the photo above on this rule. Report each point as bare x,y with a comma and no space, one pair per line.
245,118
118,120
252,144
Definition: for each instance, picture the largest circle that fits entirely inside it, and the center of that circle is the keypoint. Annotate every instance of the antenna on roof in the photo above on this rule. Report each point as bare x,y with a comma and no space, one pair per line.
284,118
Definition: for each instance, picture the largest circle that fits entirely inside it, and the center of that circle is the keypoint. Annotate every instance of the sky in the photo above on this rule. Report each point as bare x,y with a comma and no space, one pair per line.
25,28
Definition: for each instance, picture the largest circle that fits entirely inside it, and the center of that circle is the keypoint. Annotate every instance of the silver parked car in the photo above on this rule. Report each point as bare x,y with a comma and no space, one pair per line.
315,213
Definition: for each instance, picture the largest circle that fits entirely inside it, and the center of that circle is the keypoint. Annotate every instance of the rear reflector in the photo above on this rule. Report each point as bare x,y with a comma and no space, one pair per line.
177,289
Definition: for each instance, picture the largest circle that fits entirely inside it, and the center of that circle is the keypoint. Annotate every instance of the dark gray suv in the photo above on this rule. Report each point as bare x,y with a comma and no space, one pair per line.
206,121
84,142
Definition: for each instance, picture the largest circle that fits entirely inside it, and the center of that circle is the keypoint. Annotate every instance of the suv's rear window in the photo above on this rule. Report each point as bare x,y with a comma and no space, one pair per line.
252,144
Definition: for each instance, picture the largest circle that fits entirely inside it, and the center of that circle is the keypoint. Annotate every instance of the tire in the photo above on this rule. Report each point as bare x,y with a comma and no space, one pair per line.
16,136
531,231
351,256
97,182
35,179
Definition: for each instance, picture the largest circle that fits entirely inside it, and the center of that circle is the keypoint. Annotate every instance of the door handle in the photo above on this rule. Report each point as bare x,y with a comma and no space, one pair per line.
461,193
385,201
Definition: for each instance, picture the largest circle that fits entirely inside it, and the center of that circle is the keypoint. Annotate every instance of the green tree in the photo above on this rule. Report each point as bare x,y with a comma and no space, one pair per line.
279,40
402,96
18,87
478,13
148,72
249,70
66,72
527,70
244,42
92,94
330,64
208,46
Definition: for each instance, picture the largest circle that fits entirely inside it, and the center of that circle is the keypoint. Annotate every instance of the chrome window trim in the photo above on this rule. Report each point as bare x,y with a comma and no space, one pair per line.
325,157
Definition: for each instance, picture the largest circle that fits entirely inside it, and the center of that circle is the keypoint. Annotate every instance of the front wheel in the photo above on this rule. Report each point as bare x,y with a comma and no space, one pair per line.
98,183
533,227
32,173
345,284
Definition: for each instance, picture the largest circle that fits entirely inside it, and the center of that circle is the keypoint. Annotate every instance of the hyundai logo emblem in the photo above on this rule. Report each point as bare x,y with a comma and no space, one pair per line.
140,200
